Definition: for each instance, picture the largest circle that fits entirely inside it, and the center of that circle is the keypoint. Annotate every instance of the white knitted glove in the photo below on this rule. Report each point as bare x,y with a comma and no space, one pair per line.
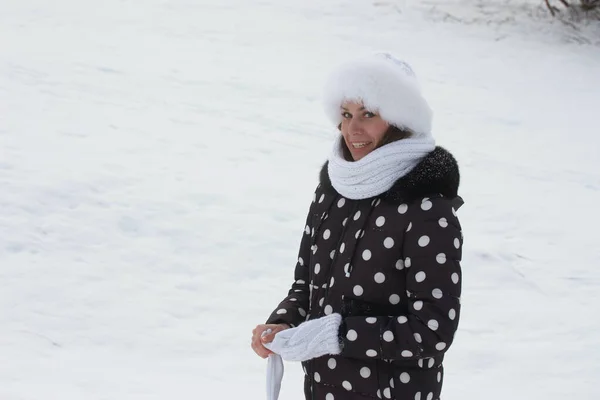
310,339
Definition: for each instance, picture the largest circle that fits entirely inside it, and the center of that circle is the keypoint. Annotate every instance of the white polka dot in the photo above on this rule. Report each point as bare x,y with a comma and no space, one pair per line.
407,262
455,277
331,282
409,227
400,264
321,302
328,309
358,233
347,385
430,363
331,363
312,232
377,202
418,305
365,372
371,353
440,346
317,377
392,383
351,335
394,299
317,268
433,325
406,353
307,230
423,241
300,261
379,393
441,258
403,208
342,247
330,397
326,234
302,312
366,255
402,319
347,270
439,377
379,277
341,202
388,243
420,276
418,337
454,212
405,377
443,222
357,215
380,221
358,290
420,363
344,221
314,248
386,393
293,299
417,396
322,198
281,311
452,314
300,282
426,205
332,254
430,396
457,243
371,320
388,336
437,293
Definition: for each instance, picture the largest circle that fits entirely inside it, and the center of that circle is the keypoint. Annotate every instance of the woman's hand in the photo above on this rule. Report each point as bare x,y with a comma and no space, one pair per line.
258,339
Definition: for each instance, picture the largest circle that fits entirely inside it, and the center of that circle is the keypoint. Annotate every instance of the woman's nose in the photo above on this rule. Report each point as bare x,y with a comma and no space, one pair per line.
355,127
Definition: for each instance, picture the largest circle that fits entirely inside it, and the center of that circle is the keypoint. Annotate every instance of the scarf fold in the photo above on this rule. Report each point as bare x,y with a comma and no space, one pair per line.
376,172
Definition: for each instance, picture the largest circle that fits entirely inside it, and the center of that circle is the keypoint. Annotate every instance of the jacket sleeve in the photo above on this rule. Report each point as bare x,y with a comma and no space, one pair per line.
432,251
294,308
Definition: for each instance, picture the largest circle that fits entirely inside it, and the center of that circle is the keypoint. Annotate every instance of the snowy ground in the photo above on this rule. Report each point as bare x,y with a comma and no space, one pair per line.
157,159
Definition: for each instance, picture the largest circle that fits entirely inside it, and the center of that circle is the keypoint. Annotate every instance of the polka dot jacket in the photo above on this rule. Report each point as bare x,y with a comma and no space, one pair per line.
390,265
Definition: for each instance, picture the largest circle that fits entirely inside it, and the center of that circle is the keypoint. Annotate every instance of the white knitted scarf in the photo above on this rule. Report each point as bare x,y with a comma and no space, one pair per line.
376,172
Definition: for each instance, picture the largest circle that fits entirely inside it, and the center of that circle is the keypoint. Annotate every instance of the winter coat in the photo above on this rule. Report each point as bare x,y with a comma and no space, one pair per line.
390,265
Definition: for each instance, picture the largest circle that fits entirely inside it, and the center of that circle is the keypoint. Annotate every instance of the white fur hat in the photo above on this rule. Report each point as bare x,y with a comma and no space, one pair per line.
385,85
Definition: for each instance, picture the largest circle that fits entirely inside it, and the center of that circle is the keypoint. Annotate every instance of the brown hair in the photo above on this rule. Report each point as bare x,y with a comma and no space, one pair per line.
392,134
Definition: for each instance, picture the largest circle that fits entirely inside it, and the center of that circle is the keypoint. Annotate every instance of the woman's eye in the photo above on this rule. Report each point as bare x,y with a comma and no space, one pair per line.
369,114
346,115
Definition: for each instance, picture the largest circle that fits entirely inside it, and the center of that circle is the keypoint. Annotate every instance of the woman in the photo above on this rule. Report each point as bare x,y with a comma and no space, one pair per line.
376,298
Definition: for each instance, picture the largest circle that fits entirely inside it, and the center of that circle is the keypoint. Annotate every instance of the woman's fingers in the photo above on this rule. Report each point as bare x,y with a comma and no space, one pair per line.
261,335
268,338
260,349
256,343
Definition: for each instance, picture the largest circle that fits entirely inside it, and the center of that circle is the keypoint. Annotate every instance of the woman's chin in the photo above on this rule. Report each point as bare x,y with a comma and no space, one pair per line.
357,154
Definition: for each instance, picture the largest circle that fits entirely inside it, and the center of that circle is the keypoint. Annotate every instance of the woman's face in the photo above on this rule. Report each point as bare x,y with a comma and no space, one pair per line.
362,129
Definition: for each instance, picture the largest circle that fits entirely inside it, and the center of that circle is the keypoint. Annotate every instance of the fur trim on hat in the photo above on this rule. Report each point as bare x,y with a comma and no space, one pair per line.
384,85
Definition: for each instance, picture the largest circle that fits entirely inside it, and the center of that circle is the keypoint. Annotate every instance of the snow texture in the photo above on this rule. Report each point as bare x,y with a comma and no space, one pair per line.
157,160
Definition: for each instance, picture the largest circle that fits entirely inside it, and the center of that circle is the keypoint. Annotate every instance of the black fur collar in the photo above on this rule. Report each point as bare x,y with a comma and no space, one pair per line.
437,173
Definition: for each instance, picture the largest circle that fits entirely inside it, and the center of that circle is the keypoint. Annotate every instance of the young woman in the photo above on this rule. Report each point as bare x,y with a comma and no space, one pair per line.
376,298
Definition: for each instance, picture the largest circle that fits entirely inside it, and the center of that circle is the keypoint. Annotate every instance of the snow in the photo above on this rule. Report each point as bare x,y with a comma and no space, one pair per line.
157,160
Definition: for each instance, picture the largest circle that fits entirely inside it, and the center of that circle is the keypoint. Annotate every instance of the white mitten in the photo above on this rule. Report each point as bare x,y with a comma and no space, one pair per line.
274,373
310,339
